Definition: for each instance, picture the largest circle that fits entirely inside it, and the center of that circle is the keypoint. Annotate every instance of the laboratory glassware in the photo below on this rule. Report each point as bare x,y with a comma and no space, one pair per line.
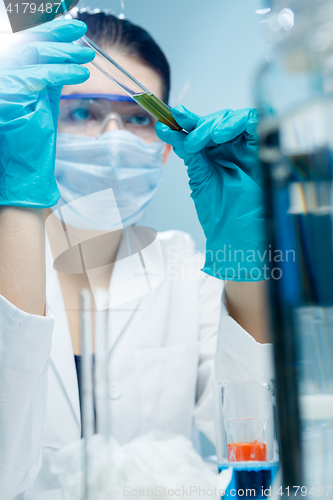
130,85
246,435
94,386
295,100
102,347
86,389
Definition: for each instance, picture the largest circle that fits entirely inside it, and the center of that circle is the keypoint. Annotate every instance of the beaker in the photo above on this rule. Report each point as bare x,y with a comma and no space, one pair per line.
245,435
242,442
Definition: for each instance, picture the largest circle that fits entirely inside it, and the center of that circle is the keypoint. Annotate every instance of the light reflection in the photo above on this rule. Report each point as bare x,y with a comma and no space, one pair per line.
262,12
320,41
286,19
11,40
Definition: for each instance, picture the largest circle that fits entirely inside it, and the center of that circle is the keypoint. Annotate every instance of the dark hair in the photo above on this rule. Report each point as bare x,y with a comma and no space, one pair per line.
106,29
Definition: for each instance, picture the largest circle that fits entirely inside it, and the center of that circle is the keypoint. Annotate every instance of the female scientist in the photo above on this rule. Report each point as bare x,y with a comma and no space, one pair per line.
163,341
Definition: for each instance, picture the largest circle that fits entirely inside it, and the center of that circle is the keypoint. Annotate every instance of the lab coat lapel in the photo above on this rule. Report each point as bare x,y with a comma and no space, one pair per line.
62,355
124,299
135,274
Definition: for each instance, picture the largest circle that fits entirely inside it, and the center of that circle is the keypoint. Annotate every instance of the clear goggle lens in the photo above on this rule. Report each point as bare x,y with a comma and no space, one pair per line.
90,114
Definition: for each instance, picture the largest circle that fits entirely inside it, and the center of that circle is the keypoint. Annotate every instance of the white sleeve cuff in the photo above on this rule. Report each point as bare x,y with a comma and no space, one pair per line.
239,356
25,339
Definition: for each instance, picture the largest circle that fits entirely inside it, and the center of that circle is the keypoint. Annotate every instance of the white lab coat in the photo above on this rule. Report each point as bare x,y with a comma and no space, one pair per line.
163,344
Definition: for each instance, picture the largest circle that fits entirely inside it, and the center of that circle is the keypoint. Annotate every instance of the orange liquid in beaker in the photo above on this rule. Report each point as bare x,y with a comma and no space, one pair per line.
244,452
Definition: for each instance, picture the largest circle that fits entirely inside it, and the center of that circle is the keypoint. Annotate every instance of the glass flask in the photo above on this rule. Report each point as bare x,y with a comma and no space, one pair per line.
294,93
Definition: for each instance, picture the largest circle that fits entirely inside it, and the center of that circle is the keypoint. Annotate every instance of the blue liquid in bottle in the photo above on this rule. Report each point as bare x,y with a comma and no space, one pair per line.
250,479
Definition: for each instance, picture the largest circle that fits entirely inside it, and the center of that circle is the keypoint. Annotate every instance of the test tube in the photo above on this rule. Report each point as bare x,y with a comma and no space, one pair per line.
87,400
94,387
101,380
130,85
101,297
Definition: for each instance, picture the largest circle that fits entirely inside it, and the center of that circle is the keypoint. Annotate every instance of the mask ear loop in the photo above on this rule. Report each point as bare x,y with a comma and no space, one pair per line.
108,118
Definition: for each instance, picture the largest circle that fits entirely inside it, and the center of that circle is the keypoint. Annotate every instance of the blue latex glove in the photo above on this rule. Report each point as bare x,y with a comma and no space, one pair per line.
33,70
220,153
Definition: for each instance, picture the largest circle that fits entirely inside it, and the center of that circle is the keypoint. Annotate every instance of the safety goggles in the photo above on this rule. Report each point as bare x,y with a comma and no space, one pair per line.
90,114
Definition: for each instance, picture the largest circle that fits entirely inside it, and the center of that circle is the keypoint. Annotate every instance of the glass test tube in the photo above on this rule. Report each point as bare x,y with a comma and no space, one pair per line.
94,374
130,85
87,400
101,381
101,297
94,385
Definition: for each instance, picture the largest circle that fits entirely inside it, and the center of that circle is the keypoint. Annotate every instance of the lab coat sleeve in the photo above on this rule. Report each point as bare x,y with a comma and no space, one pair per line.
238,356
25,344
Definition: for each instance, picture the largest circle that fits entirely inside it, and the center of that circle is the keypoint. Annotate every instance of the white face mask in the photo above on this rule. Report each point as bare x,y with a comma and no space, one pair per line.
118,160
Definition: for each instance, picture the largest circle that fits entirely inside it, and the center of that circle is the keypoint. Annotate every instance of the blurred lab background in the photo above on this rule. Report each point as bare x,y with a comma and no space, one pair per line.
214,48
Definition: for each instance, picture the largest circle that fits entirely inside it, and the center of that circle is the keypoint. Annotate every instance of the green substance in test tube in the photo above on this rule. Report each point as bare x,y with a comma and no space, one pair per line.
157,109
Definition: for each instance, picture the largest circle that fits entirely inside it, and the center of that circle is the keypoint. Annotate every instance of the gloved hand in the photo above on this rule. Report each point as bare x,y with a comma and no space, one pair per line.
220,152
33,70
